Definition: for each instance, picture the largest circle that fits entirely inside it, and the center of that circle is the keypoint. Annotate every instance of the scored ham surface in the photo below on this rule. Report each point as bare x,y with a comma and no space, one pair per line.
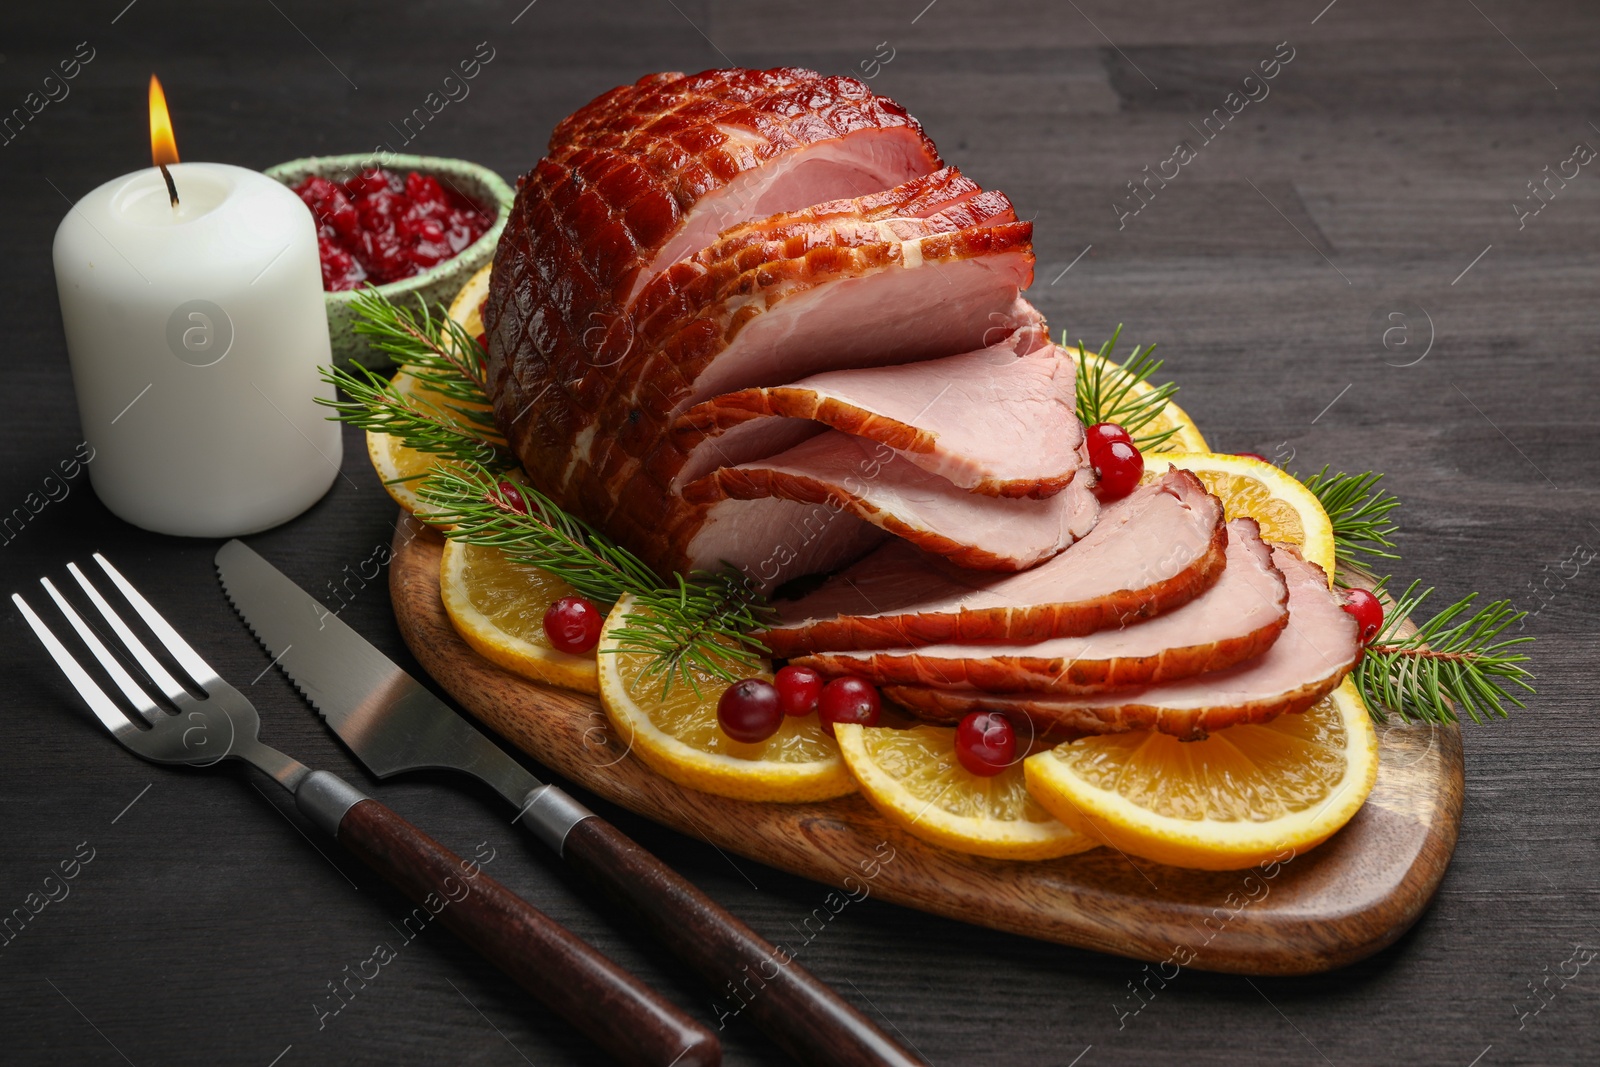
1237,619
646,175
999,421
1149,553
1320,645
874,482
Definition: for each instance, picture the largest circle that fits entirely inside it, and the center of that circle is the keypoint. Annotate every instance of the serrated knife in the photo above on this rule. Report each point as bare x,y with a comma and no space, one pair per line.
393,724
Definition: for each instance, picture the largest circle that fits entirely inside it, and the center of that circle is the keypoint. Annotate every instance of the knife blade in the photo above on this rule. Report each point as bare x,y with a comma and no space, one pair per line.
387,718
391,723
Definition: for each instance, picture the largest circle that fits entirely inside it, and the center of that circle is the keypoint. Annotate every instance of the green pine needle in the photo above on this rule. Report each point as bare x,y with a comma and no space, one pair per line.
373,403
470,506
693,627
1455,660
1106,391
1359,512
436,349
701,628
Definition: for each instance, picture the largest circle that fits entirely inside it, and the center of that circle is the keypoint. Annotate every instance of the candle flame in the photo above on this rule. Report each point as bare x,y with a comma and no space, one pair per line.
163,146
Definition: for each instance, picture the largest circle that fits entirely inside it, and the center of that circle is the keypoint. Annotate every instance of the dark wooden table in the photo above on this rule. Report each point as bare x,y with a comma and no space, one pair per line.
1380,174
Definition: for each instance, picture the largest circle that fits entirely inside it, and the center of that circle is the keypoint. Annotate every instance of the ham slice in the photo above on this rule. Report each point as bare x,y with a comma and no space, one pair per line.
1318,648
1237,619
941,202
1149,553
873,482
999,421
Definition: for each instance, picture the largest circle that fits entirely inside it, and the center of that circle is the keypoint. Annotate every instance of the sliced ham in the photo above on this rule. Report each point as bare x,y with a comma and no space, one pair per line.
999,421
1236,619
884,303
1149,553
685,322
1317,649
641,177
873,482
940,202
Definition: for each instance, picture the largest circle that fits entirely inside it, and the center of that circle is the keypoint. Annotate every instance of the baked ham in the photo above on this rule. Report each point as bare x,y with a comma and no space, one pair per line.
642,177
691,236
1237,619
1320,645
1150,552
874,482
939,414
750,318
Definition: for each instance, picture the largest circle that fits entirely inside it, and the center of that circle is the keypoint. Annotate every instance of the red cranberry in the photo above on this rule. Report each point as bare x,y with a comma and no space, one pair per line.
798,690
750,711
1104,433
986,743
380,227
1368,612
1118,466
573,624
511,497
1253,455
848,699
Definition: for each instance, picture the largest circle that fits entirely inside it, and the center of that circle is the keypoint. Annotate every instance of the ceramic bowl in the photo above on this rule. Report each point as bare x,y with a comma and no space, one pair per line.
438,284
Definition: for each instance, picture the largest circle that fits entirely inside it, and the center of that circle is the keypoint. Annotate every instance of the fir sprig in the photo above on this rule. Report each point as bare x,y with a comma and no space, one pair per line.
452,417
374,403
436,349
691,627
703,626
1359,511
1456,659
472,508
1109,391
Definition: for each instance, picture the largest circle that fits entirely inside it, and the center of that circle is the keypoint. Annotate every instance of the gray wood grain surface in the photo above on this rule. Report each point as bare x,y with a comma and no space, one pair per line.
1382,165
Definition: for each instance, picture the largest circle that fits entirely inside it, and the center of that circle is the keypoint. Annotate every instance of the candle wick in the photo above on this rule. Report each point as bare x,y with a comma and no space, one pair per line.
172,190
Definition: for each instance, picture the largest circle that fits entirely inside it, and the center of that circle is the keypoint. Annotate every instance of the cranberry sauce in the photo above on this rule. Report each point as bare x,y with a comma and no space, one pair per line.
379,227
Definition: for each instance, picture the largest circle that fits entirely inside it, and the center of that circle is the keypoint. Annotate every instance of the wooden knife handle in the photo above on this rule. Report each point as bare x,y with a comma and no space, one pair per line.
616,1010
747,974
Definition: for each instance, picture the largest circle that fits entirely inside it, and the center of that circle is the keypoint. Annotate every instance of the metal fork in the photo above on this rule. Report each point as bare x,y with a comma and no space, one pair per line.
208,720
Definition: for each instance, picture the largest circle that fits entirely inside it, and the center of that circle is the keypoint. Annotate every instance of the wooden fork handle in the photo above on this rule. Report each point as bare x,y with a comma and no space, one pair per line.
747,973
617,1011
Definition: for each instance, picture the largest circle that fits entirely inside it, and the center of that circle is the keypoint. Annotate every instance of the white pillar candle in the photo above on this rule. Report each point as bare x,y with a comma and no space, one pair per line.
195,334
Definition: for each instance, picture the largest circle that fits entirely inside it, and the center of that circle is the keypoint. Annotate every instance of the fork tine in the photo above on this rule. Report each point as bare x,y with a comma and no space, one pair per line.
110,716
152,666
187,657
119,674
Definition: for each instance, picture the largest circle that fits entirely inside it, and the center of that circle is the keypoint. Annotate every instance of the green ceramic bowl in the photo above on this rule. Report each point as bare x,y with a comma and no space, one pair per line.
438,284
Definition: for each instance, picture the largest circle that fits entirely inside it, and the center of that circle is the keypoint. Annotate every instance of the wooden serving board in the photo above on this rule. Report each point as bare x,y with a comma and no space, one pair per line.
1331,906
